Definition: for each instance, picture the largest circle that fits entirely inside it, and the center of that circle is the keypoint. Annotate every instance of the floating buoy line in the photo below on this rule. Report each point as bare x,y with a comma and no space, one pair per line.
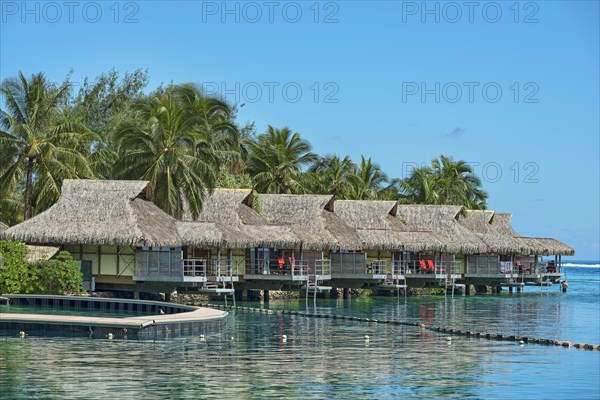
521,340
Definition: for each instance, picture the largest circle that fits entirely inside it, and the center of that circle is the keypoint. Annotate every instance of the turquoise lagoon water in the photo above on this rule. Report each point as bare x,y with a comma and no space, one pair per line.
326,358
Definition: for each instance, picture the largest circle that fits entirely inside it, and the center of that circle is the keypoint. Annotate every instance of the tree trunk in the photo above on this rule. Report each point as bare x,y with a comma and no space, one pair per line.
29,190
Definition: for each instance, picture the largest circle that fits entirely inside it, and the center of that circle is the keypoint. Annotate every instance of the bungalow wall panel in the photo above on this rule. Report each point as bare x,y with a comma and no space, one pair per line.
91,253
109,249
73,250
108,263
238,260
126,264
459,264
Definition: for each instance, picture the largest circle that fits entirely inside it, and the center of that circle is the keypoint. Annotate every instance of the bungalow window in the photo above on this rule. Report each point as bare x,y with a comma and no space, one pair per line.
348,262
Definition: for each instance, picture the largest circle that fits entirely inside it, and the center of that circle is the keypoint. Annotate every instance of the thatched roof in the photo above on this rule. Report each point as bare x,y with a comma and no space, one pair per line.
549,247
311,219
498,241
210,235
40,253
378,228
501,223
442,221
496,231
121,213
228,220
98,212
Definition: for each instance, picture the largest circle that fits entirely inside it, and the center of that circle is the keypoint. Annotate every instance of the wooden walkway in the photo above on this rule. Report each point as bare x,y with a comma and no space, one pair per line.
199,314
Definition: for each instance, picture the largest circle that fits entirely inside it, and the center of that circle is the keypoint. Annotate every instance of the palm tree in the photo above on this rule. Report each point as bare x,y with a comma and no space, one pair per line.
11,208
276,161
444,182
457,184
419,188
39,147
370,182
174,144
334,175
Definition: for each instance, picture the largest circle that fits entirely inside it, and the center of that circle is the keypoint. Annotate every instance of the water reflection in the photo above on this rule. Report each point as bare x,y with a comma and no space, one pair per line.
249,359
329,358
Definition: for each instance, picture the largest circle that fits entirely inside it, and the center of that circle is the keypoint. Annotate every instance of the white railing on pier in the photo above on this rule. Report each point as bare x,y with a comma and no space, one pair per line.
278,266
398,268
195,267
377,267
209,267
427,267
322,267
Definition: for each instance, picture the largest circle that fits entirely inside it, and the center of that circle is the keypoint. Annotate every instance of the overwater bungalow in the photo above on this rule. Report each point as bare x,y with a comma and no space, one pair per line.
497,265
528,264
241,241
252,248
442,221
330,249
389,241
114,225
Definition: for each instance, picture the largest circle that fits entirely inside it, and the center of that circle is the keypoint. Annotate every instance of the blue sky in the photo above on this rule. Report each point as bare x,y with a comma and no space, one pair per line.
512,87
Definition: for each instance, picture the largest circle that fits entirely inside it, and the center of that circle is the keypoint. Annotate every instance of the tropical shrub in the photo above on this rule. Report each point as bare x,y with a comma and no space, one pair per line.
60,275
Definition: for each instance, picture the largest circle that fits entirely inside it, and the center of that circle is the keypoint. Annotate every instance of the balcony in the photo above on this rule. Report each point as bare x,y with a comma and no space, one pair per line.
424,268
154,266
288,270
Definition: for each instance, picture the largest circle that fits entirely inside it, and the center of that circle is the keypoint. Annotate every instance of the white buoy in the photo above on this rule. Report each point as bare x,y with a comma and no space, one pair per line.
521,342
22,334
449,338
110,335
202,338
231,338
367,338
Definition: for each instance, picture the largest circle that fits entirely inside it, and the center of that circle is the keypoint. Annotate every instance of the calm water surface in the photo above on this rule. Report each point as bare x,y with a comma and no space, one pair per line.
325,358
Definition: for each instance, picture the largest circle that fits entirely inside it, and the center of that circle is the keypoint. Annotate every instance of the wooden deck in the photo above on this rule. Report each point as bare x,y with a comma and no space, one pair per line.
200,314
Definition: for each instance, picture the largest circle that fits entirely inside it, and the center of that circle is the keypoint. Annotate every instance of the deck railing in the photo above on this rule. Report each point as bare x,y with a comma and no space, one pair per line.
293,267
424,267
398,268
532,268
377,267
195,267
322,267
219,268
208,267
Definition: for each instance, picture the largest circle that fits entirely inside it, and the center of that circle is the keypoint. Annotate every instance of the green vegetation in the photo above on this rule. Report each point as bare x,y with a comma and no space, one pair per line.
185,143
444,182
61,275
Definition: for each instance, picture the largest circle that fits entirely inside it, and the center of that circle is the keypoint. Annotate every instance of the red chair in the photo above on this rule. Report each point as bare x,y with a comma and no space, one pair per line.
431,266
422,265
280,262
520,267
